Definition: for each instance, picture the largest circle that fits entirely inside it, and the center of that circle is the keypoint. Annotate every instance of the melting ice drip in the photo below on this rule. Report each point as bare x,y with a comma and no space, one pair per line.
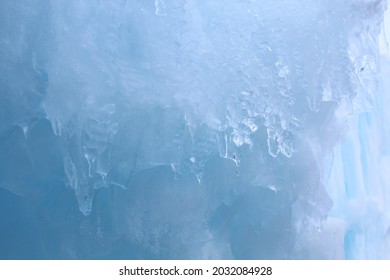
218,122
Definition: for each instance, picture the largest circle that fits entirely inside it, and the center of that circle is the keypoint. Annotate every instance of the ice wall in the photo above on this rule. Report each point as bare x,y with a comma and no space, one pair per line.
359,180
194,129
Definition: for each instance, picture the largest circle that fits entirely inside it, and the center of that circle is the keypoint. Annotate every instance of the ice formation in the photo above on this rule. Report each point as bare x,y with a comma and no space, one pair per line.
193,129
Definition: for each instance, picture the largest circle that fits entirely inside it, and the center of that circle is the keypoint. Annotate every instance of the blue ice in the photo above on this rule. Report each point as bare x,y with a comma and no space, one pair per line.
188,129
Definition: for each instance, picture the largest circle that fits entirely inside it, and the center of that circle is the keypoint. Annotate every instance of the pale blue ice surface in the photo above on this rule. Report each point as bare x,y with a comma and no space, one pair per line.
189,129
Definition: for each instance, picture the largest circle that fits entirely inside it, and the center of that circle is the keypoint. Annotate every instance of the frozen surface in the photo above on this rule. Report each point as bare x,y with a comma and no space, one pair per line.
193,129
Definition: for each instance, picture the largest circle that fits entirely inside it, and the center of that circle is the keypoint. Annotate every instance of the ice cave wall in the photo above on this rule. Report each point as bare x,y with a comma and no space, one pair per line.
194,129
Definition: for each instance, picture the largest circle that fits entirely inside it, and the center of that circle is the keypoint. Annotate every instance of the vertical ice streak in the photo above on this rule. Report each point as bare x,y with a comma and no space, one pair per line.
359,181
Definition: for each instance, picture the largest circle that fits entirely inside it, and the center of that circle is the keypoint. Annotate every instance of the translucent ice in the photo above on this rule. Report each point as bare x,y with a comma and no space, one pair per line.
195,129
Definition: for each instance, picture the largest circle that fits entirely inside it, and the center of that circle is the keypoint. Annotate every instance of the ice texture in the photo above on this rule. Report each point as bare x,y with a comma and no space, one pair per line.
188,129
